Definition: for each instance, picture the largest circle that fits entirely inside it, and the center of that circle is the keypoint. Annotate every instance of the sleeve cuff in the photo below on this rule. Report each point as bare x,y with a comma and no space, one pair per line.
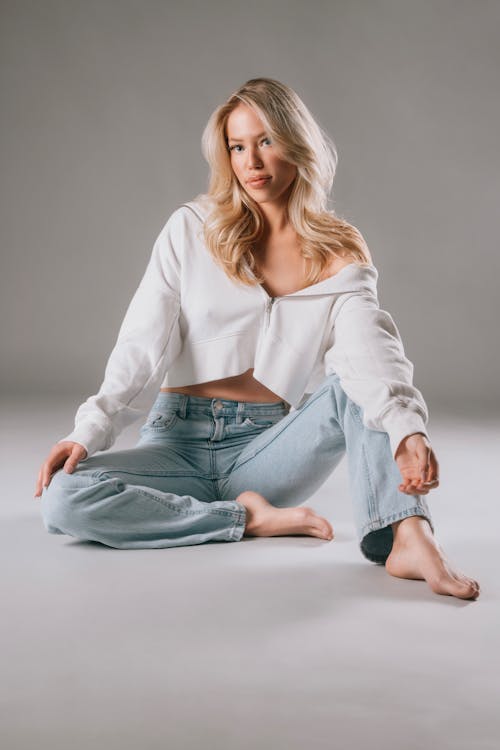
91,438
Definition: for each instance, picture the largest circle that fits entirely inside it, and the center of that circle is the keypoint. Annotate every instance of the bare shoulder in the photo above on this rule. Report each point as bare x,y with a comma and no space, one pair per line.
336,265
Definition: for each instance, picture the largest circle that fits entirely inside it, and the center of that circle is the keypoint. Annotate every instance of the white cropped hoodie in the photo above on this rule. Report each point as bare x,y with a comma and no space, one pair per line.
189,323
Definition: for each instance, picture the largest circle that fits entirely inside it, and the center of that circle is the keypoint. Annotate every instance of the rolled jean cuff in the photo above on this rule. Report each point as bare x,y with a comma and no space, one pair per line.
377,537
238,529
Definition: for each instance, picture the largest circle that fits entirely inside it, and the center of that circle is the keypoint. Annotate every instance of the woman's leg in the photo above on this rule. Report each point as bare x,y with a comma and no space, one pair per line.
288,462
416,554
165,491
158,494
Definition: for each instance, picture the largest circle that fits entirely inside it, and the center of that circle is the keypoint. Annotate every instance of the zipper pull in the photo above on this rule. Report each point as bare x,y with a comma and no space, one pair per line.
269,305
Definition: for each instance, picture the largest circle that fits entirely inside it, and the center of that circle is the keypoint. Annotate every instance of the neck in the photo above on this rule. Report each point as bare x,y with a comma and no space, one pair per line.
275,213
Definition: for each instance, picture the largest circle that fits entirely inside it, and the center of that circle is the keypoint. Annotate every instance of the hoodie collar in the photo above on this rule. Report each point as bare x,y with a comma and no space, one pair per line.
351,278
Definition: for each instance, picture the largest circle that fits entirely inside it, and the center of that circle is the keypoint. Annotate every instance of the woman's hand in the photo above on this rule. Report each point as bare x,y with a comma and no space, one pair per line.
418,465
73,452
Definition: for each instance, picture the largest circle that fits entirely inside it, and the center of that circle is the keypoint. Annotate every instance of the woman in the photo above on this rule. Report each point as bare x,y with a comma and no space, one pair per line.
258,317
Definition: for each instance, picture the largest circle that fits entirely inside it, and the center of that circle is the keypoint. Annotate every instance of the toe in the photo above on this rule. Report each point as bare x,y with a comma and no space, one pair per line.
470,590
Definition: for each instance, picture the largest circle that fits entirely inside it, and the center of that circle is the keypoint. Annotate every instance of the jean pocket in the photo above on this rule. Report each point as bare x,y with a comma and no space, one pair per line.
160,421
262,423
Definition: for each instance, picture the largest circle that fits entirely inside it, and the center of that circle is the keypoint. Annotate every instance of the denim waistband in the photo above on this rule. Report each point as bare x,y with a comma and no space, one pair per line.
184,404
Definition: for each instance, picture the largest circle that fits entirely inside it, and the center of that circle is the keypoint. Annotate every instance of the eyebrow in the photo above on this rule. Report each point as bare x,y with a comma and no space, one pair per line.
239,139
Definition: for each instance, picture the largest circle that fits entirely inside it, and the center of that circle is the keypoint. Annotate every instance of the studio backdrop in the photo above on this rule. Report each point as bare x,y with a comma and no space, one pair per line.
103,107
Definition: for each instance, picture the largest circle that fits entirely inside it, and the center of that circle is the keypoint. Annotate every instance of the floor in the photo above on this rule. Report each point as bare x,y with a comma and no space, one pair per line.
287,642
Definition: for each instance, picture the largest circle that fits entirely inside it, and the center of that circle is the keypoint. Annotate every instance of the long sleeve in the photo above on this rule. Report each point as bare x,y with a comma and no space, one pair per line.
369,358
148,342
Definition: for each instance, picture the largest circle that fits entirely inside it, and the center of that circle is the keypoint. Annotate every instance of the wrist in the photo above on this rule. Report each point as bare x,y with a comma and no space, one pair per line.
403,440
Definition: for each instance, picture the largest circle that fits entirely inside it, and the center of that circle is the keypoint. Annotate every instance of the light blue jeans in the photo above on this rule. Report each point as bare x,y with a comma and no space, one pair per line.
179,485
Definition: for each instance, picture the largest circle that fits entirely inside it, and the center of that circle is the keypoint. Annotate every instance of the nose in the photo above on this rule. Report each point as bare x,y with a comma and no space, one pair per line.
254,160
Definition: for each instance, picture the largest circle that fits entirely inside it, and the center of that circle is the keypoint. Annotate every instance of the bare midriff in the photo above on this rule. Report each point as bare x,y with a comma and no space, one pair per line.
242,387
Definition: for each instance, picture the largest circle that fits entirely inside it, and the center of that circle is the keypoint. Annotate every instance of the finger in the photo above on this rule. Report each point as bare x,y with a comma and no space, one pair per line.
38,487
423,454
416,487
50,466
434,467
420,490
409,488
73,460
431,468
431,486
415,491
47,474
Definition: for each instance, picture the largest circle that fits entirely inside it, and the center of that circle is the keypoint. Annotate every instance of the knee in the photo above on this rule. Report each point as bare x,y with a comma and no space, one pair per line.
332,380
331,383
336,396
61,502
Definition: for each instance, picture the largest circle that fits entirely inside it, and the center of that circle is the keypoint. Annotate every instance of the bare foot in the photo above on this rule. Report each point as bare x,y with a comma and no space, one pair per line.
263,519
416,554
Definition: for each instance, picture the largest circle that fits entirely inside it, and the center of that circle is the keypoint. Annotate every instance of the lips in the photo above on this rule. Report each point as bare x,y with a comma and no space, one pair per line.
258,179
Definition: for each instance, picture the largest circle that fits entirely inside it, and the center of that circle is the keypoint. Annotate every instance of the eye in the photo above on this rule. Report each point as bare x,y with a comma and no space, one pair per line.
238,145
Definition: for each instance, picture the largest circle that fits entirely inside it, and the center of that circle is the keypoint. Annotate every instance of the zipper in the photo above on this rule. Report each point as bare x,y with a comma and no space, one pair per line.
269,307
270,301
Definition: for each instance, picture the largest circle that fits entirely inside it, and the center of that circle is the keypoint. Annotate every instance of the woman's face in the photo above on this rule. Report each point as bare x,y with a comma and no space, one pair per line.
253,155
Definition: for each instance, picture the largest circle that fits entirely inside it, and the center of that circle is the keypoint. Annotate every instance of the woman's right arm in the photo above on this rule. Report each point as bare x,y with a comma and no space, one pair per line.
148,341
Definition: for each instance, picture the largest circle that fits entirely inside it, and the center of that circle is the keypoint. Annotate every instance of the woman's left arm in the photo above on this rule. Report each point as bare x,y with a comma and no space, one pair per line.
368,355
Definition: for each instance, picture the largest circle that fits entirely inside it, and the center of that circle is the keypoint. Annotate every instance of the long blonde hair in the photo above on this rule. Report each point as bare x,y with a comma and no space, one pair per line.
234,222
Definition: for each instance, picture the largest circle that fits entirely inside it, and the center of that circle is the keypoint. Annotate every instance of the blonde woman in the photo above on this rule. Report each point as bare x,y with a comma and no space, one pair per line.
256,347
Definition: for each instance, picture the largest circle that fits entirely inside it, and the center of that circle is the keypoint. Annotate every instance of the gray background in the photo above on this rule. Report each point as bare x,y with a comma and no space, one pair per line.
285,642
103,106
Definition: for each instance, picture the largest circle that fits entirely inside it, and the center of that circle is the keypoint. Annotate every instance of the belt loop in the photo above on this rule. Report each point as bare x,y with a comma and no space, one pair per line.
183,405
239,412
